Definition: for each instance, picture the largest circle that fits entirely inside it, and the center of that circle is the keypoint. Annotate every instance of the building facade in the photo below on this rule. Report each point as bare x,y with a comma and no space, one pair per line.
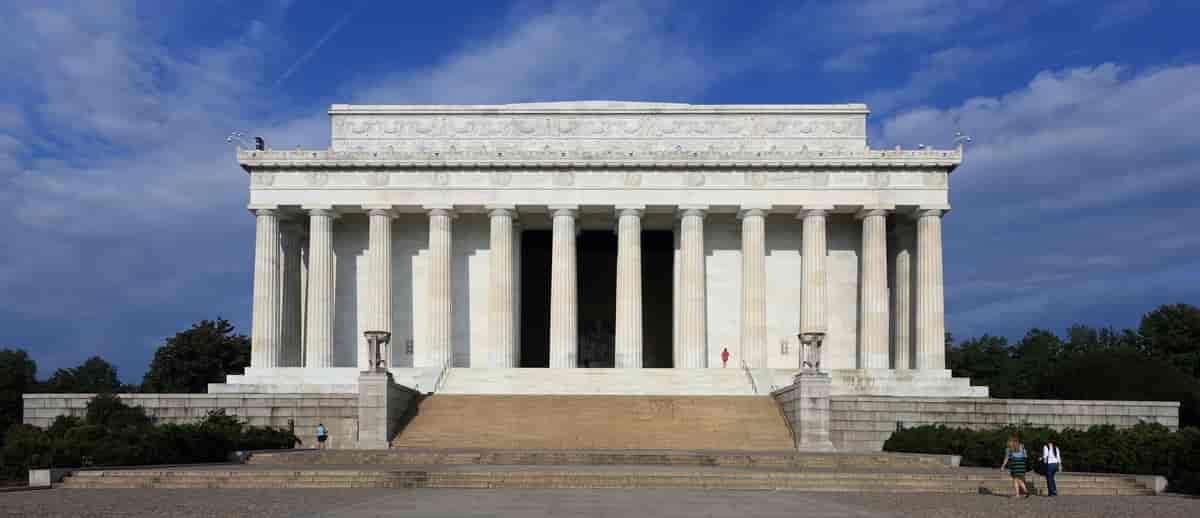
617,247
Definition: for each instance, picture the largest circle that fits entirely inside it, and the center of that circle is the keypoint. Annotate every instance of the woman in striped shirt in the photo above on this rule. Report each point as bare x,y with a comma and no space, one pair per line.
1014,459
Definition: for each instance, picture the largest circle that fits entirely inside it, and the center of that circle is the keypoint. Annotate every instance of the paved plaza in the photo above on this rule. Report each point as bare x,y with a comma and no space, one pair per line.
584,503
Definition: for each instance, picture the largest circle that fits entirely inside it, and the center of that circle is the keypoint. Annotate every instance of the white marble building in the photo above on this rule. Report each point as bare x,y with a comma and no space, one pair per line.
528,248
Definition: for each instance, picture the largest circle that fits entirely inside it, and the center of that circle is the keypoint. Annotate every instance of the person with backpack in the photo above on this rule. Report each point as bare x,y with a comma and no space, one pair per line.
1014,460
1053,460
322,436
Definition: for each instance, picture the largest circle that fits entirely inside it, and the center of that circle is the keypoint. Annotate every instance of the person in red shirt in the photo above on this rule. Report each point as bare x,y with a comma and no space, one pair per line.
724,357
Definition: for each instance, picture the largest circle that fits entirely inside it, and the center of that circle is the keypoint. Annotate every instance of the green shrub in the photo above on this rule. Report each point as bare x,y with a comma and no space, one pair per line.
1147,448
116,434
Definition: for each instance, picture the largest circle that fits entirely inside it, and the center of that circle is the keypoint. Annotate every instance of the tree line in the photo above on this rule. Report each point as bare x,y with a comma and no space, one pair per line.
187,362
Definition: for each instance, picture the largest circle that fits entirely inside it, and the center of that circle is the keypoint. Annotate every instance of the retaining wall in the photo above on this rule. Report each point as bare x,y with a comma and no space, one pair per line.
863,423
339,412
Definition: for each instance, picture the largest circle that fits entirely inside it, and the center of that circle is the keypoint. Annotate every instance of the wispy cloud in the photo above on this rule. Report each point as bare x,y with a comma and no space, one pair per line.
330,33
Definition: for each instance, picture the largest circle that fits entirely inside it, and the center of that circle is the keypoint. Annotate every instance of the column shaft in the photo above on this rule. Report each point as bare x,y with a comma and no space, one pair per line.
931,323
500,293
902,353
319,318
873,305
693,326
291,296
266,327
564,313
812,265
629,290
379,261
440,310
754,288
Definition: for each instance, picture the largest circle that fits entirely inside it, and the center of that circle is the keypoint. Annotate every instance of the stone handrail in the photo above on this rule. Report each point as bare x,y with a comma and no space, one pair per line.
441,379
753,384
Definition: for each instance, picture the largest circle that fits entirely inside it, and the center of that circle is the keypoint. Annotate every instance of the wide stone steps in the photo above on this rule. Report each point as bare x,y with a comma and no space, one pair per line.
774,459
591,477
569,422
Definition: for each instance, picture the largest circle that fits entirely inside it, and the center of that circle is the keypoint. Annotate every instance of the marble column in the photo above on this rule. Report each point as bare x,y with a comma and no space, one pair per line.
813,317
629,288
902,353
319,319
440,294
379,264
873,292
693,324
930,309
501,308
564,311
265,339
291,294
754,288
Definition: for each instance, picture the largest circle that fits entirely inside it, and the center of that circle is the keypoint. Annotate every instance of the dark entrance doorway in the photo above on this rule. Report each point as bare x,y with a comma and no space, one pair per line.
596,256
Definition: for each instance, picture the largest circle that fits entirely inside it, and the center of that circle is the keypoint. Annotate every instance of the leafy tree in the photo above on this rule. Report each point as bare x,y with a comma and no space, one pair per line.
984,359
1172,332
93,375
17,372
196,357
1124,376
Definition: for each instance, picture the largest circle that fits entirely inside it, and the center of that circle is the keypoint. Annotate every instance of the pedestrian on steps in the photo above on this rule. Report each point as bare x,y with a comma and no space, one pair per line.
1014,459
724,357
322,436
1053,461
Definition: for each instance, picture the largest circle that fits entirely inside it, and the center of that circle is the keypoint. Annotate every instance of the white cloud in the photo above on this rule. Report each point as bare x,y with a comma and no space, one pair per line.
854,58
1083,174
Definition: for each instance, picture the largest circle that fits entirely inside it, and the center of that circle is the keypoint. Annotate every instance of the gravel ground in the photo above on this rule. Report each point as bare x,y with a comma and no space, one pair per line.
585,502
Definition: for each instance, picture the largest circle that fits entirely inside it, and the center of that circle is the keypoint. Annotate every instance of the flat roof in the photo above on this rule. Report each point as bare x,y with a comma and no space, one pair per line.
598,107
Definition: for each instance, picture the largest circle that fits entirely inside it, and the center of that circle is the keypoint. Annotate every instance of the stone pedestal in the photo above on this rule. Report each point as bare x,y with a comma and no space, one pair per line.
806,404
375,422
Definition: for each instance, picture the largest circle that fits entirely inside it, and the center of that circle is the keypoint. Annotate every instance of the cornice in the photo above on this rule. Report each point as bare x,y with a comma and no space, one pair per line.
703,159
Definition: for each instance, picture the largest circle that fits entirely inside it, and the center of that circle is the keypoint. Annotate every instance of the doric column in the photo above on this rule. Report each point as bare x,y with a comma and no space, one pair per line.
266,329
873,305
501,330
379,264
812,264
693,325
931,320
629,288
291,295
754,287
902,354
564,313
319,320
440,294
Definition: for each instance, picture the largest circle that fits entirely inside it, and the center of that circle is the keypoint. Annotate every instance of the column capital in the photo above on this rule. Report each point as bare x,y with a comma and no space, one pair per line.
265,211
813,210
692,210
440,210
563,210
630,210
923,212
501,209
753,211
380,210
867,212
321,210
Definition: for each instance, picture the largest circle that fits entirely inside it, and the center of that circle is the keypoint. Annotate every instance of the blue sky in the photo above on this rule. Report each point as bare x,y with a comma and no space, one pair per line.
124,210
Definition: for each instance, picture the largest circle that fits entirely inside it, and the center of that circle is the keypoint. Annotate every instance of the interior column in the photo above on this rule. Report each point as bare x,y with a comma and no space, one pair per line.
813,316
754,287
873,300
379,260
693,326
931,323
501,330
319,320
440,309
291,297
629,288
265,324
564,310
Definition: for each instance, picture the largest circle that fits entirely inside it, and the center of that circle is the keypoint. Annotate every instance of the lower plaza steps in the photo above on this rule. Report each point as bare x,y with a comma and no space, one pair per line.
595,442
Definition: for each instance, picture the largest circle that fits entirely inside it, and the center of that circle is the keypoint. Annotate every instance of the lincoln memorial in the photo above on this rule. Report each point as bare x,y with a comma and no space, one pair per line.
599,248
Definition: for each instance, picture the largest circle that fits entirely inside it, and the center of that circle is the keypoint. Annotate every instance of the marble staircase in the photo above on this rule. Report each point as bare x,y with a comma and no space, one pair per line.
563,422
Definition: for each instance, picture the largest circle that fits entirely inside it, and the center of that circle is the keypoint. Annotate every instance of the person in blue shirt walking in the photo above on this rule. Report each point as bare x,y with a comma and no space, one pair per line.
322,436
1014,459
